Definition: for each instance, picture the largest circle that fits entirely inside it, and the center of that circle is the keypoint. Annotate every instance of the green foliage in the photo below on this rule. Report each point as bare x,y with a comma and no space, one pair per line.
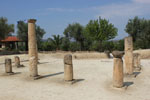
75,32
108,46
94,46
22,33
5,28
65,44
22,30
39,35
74,46
56,41
101,29
139,29
119,45
47,46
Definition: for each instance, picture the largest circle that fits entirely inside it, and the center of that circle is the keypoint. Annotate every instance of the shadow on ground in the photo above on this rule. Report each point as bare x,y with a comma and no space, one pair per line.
127,84
136,73
49,75
77,80
42,62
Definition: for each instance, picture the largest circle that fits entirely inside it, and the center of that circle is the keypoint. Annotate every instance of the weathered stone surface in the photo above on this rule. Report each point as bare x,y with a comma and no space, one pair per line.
118,70
68,59
17,61
128,43
8,65
129,61
135,55
32,48
68,72
139,60
118,54
68,68
137,65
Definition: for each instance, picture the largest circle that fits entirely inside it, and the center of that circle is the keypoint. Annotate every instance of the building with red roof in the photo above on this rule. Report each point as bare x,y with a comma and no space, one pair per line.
11,39
10,42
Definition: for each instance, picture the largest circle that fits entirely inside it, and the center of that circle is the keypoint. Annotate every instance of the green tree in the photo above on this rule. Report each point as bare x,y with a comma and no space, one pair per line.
56,41
22,33
101,30
139,29
133,27
75,32
119,45
47,46
5,28
39,34
65,45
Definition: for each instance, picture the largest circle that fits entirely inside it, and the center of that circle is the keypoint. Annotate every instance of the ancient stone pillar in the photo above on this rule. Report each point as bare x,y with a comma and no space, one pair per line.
68,68
8,65
137,65
118,69
139,60
32,42
129,55
17,61
37,54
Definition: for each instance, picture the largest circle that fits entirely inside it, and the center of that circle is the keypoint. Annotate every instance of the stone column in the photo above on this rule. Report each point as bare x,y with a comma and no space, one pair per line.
137,62
37,54
8,65
32,43
17,61
118,69
68,68
129,55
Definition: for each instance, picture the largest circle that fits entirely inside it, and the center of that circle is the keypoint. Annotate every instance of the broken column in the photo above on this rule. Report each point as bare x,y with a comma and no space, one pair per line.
8,65
137,65
139,60
118,69
17,61
129,55
68,68
32,42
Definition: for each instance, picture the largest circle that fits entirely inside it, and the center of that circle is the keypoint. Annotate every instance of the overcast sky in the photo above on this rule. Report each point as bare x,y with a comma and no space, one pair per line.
55,15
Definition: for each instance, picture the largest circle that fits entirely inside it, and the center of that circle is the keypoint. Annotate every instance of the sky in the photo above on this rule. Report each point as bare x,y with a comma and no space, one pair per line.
54,15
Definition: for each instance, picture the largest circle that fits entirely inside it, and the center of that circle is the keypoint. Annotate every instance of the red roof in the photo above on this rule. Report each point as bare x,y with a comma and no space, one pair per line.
10,39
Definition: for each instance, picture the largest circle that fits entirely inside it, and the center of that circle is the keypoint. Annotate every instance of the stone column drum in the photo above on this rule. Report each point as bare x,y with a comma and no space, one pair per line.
8,65
37,54
17,61
68,68
32,42
118,69
137,65
139,60
129,55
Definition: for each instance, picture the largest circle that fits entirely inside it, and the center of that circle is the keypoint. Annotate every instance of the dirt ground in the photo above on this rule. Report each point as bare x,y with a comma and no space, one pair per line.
93,81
